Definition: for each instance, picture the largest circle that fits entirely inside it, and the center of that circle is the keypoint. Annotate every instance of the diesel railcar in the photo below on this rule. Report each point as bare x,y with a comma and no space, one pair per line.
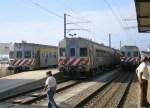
80,57
130,57
30,56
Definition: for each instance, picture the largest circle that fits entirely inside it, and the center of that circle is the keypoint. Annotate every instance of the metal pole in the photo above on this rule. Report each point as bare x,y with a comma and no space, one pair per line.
109,40
64,25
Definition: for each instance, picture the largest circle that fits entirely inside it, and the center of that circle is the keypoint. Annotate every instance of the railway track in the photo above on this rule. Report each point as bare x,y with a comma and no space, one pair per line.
67,90
112,95
89,93
31,96
74,96
132,98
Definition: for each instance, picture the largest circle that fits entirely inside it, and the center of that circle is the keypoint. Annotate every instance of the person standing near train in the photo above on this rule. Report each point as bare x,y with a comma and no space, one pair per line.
143,77
50,87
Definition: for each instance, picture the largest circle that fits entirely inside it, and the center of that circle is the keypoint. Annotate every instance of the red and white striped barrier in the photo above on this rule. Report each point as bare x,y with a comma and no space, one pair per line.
74,61
23,62
130,59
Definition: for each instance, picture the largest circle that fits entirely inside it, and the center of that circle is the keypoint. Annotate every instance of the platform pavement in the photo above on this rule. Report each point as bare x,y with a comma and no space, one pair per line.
9,105
22,82
17,81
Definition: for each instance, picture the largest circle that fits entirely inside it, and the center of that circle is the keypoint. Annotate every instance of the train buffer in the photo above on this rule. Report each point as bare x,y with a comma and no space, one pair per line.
22,82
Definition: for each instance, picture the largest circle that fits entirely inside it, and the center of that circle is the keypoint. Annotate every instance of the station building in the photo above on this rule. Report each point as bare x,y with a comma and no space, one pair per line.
5,48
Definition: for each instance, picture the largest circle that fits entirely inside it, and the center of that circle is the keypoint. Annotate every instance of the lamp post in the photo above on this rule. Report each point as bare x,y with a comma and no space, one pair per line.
72,34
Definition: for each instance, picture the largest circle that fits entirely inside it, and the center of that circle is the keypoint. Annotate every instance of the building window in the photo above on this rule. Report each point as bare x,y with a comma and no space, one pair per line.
72,52
19,54
62,52
27,54
83,52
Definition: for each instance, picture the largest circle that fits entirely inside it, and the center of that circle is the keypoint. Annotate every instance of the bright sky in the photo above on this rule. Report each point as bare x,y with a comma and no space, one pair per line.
23,20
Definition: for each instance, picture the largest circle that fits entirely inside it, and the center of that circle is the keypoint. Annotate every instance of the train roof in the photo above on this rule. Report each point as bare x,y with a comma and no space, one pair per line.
85,39
34,44
130,47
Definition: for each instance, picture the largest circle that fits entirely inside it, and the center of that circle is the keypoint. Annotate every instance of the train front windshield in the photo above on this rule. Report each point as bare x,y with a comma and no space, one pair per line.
83,52
11,55
27,54
62,52
135,53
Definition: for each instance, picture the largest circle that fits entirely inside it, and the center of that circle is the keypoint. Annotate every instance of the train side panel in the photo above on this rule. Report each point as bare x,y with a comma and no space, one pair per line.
47,57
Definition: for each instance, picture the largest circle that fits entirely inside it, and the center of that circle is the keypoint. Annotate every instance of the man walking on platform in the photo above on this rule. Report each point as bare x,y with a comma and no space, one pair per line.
50,87
143,76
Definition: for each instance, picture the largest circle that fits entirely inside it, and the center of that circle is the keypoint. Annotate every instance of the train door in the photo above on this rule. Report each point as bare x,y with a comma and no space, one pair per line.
38,58
44,58
52,59
92,56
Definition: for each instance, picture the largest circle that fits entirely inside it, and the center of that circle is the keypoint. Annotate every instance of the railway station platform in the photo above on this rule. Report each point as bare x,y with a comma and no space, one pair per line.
7,105
22,82
10,105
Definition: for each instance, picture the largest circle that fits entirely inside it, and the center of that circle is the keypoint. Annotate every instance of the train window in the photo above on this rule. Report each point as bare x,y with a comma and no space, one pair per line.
54,54
123,53
135,53
98,53
19,54
33,54
50,54
42,54
27,54
62,52
129,54
46,54
72,52
11,54
83,52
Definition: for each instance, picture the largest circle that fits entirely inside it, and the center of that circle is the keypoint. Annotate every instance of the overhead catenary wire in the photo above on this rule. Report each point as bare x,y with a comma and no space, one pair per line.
124,22
121,16
80,20
116,17
45,9
65,5
77,18
79,27
72,10
57,15
76,23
